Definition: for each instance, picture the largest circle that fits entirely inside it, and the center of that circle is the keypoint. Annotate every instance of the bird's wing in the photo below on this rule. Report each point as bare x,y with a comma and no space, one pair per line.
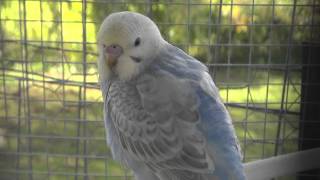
217,127
156,122
169,116
215,123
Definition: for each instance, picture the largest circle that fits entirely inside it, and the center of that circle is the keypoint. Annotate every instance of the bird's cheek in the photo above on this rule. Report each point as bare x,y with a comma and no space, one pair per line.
126,68
104,70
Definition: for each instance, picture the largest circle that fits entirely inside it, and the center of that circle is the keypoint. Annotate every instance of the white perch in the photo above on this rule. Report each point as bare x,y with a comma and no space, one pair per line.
283,165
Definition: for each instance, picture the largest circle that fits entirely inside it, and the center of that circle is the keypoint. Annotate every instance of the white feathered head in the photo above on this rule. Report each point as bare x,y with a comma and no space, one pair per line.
127,43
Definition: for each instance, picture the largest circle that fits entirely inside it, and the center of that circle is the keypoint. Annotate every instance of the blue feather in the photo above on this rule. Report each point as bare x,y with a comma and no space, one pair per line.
215,122
218,130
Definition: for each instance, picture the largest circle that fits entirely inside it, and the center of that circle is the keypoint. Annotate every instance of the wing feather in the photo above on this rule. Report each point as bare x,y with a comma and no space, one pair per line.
171,118
157,122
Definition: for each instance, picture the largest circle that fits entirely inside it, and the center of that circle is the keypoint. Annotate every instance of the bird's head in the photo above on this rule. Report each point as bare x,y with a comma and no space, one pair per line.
127,43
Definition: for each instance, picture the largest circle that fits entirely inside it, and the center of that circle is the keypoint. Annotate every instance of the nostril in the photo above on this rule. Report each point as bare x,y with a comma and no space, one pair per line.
113,49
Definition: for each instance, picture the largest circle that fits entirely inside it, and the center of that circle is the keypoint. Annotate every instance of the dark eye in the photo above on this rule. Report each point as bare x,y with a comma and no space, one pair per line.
137,42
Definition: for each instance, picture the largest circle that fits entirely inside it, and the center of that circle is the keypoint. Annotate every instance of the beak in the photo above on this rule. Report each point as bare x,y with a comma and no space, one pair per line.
111,61
113,53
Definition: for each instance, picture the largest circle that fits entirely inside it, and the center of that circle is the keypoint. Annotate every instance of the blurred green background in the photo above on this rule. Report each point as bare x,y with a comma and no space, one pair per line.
51,123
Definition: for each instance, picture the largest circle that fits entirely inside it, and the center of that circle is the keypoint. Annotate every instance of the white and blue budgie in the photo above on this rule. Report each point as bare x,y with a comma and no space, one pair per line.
163,114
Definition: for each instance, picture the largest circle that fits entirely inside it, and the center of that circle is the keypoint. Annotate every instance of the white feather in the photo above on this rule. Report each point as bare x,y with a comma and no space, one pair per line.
126,68
123,29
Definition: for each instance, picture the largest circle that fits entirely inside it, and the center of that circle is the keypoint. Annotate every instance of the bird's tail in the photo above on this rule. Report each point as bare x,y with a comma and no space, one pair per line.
283,165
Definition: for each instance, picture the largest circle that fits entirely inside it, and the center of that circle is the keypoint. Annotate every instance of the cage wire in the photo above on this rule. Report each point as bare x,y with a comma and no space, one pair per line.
259,53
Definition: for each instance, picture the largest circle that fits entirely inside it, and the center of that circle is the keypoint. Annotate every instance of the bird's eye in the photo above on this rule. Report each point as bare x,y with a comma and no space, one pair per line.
137,42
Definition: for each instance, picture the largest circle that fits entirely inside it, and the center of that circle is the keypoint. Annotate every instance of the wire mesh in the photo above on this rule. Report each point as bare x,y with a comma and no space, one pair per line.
51,108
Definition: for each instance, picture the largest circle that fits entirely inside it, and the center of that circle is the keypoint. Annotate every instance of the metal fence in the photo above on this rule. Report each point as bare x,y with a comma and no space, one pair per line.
260,54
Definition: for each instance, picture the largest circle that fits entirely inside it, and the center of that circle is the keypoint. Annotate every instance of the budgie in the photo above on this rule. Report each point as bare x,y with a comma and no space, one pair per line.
163,114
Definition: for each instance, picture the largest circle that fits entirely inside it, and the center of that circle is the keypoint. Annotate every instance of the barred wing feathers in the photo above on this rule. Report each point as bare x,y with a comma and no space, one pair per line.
157,123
